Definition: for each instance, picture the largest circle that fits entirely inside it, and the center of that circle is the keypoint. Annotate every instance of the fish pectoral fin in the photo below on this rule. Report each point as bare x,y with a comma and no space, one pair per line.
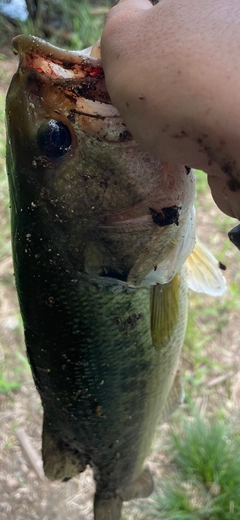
59,461
142,487
164,305
107,509
172,261
203,272
174,398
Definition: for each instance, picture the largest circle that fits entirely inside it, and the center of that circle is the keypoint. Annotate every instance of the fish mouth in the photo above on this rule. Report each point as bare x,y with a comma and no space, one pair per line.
79,76
62,65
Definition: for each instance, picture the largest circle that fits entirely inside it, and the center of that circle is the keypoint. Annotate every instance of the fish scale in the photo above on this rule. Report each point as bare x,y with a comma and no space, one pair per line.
101,238
95,379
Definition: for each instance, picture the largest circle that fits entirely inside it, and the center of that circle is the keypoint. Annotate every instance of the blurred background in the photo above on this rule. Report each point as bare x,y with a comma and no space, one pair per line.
195,457
71,23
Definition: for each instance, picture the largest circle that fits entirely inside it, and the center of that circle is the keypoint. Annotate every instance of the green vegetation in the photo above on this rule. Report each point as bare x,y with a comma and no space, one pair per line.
73,23
14,382
83,26
204,479
201,185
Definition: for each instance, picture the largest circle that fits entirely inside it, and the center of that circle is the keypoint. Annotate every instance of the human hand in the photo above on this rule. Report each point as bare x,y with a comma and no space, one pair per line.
173,72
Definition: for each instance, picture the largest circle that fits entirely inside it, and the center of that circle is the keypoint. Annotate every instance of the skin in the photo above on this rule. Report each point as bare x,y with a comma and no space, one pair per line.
173,72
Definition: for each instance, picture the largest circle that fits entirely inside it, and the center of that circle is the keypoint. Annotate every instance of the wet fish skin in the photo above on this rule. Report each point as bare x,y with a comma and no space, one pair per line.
103,402
103,340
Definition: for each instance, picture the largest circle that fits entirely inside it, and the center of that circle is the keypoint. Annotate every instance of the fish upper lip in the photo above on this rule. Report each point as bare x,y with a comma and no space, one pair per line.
73,61
83,71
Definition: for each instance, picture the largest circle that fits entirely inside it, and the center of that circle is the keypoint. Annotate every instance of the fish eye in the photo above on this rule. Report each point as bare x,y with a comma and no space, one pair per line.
54,138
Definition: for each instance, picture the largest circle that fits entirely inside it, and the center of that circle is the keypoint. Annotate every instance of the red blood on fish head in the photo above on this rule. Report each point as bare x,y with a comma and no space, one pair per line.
106,202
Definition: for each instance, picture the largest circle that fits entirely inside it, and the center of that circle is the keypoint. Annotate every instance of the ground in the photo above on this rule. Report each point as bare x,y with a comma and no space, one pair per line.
210,366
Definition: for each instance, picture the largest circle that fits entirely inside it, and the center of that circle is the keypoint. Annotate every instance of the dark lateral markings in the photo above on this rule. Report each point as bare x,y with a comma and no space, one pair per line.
166,216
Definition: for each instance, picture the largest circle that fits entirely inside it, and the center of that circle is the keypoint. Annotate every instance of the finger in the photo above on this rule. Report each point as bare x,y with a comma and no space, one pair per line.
119,21
135,4
227,200
124,6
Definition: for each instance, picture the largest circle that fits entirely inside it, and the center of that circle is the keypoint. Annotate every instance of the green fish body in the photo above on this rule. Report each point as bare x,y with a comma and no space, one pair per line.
101,233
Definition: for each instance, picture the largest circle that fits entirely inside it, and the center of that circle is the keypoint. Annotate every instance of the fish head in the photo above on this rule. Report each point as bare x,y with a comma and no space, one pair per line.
80,185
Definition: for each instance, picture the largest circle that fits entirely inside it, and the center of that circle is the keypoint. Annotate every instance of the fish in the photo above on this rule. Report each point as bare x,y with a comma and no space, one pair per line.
104,251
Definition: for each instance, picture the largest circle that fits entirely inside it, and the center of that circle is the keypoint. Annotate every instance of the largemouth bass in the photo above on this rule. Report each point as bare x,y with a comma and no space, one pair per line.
104,252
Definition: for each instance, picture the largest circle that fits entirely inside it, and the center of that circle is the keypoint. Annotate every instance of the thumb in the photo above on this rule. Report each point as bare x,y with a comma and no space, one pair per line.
124,6
118,19
136,4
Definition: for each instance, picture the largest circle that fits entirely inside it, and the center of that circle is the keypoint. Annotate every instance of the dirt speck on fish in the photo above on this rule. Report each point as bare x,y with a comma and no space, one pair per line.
102,288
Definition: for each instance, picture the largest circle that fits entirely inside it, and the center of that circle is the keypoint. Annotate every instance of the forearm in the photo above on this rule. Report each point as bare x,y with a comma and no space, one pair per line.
173,72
